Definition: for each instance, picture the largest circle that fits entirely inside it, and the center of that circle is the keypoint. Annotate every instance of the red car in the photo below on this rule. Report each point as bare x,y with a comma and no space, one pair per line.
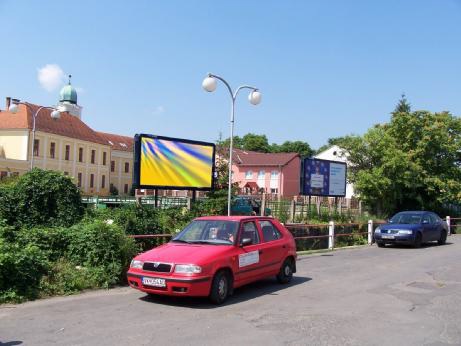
215,254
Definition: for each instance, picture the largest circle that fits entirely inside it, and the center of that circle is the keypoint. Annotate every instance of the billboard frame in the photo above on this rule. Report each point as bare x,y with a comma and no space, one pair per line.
137,163
303,177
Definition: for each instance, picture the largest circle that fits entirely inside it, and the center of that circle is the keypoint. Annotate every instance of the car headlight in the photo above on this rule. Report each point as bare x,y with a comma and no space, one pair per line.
187,269
378,230
136,264
405,231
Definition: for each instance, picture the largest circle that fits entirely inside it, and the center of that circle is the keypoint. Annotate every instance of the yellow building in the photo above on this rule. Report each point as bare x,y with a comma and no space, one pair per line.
95,160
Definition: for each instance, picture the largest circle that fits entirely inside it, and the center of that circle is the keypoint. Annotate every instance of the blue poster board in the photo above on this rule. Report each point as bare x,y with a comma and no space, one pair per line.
323,178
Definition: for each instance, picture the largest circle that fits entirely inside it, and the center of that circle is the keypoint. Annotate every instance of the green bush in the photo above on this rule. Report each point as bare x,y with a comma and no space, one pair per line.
52,241
21,268
99,245
41,197
65,277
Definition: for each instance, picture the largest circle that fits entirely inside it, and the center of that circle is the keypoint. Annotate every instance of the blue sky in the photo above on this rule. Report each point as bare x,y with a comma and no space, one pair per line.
325,68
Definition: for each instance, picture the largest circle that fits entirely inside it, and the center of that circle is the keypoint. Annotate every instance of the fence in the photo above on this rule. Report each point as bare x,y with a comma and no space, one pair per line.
307,237
297,209
315,236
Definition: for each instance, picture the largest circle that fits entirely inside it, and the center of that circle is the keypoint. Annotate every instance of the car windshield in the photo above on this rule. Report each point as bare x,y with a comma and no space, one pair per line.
406,218
216,232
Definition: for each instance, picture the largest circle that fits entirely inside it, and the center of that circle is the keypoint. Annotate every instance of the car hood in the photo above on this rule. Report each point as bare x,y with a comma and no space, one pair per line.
185,253
389,226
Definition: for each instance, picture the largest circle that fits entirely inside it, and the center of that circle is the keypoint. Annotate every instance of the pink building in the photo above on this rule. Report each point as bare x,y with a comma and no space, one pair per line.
276,173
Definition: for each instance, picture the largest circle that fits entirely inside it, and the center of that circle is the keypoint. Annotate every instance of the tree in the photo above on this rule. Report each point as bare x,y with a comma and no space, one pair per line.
302,148
255,142
403,106
339,141
412,162
39,197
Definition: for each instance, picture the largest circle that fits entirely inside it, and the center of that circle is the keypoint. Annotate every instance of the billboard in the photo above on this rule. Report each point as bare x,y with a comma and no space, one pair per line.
172,163
323,178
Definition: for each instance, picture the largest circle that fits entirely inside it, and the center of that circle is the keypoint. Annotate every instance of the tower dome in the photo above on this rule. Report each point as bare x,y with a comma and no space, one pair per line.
68,93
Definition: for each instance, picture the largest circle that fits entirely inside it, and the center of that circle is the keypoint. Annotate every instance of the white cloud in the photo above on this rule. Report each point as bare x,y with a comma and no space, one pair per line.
159,110
50,77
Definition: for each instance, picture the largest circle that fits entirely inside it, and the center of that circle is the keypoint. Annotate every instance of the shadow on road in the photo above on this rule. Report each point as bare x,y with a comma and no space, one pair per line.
268,286
423,246
10,343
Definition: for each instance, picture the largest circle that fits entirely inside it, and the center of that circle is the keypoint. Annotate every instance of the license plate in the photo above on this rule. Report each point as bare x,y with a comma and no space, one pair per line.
155,282
387,236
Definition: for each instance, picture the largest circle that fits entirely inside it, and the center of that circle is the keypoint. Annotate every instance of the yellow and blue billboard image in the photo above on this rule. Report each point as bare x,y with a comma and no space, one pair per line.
175,163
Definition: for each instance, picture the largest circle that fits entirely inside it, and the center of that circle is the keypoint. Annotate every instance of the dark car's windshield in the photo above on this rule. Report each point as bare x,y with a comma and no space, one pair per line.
406,218
209,232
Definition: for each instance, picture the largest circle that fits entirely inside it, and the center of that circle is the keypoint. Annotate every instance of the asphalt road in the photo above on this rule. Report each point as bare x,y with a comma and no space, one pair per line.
361,296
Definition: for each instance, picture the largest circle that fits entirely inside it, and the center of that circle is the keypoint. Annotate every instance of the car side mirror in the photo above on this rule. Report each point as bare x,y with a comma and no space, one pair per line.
246,241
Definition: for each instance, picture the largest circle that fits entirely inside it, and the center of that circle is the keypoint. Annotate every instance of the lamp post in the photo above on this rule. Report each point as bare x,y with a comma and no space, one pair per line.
55,114
209,84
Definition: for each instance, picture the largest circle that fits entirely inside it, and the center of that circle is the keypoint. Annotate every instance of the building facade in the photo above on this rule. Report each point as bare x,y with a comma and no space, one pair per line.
274,173
95,160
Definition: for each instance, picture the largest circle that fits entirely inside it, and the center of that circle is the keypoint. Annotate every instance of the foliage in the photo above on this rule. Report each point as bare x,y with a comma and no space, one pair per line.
410,163
259,143
21,268
302,148
98,244
41,198
57,260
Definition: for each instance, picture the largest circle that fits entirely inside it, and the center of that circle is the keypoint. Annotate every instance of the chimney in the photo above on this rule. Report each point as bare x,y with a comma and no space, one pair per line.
8,103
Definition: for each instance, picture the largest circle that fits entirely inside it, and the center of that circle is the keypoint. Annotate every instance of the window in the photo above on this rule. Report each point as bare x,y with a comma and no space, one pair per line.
104,158
36,146
125,188
261,174
112,166
103,182
127,167
91,180
3,174
250,231
67,155
93,156
274,174
79,179
249,175
80,154
52,149
274,190
269,231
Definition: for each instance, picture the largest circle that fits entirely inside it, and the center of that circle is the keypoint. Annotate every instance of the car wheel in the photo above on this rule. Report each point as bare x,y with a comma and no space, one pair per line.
286,272
220,287
443,238
418,240
380,244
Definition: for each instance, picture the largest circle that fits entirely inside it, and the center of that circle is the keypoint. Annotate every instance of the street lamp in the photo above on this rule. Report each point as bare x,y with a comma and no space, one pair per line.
55,114
209,84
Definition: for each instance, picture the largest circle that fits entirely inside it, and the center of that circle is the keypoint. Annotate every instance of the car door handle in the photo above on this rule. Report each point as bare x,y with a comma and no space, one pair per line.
284,247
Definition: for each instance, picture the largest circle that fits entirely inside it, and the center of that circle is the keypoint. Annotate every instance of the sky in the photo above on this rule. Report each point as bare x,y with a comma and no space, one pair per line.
324,68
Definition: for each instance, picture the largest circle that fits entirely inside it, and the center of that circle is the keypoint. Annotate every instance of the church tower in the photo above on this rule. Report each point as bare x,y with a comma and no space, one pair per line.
68,100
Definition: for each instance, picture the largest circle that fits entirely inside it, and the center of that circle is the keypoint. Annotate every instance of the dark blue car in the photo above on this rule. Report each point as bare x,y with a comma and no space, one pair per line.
412,228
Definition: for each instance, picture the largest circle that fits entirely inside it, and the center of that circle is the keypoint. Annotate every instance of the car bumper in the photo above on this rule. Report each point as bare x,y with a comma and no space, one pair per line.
397,238
197,286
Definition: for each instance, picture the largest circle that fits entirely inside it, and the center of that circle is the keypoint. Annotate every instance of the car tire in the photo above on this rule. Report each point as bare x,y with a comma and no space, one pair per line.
443,238
418,240
380,244
286,271
220,287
